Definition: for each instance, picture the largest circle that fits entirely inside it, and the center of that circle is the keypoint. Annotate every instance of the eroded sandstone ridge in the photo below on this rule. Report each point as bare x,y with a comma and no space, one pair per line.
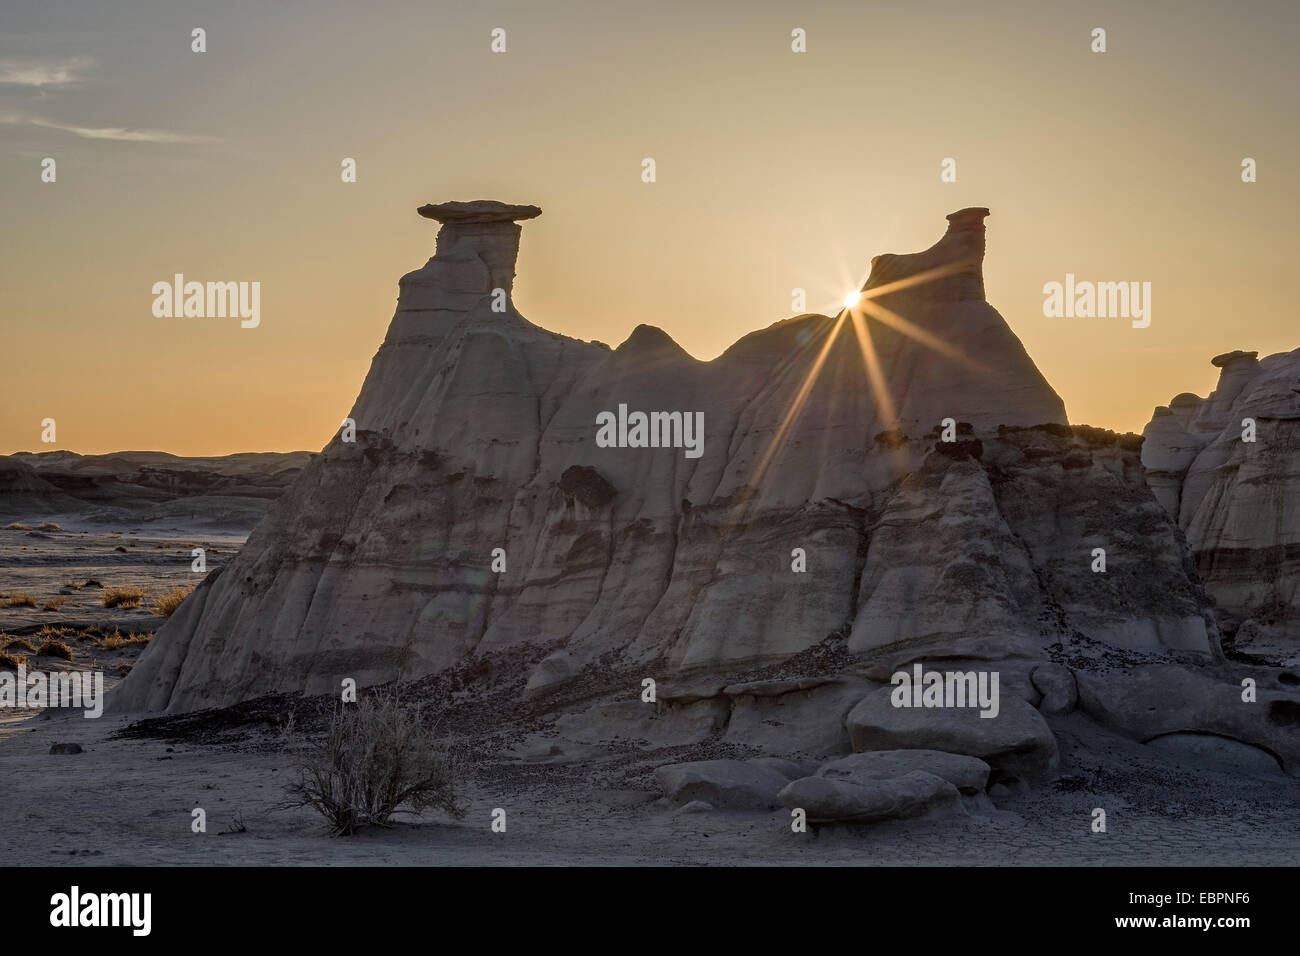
1228,468
972,545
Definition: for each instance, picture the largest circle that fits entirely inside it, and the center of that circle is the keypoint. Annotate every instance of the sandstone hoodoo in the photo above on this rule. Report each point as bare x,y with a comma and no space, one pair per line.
1227,467
888,486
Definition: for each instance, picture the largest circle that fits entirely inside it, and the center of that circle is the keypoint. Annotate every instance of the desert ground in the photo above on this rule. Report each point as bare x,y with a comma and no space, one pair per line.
128,797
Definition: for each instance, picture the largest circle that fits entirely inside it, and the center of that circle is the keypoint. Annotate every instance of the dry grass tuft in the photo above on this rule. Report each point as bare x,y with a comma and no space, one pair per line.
10,661
20,599
127,597
18,642
116,640
53,604
52,648
51,526
165,604
20,527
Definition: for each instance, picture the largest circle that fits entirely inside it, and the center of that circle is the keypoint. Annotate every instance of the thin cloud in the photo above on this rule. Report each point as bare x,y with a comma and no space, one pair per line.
34,74
121,134
118,134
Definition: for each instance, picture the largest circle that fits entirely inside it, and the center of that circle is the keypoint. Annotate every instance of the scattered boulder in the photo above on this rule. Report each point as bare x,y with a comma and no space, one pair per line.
794,716
1158,699
836,800
970,775
551,672
733,784
695,806
1057,685
1016,743
1218,753
65,748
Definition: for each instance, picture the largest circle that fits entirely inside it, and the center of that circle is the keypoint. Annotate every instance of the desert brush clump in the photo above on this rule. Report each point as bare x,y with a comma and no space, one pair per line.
20,599
375,756
169,601
51,526
54,648
112,642
10,643
20,527
11,661
124,597
54,603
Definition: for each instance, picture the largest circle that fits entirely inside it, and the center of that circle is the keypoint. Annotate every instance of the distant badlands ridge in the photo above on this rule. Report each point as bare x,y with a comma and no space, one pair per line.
130,488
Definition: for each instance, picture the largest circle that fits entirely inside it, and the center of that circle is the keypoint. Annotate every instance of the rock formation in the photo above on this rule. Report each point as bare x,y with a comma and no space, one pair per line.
1228,468
891,485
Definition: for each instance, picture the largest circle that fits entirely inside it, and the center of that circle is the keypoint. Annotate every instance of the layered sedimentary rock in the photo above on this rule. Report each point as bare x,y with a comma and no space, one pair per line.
907,451
1228,468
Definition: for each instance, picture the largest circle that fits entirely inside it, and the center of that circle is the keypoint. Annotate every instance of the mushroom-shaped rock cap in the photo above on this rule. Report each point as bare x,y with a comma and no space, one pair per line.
1227,358
970,218
480,210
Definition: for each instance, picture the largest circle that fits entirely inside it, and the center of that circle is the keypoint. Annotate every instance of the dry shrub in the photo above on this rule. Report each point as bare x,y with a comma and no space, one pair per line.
117,639
11,661
51,526
20,599
20,527
120,548
18,642
53,648
53,604
375,756
168,602
126,597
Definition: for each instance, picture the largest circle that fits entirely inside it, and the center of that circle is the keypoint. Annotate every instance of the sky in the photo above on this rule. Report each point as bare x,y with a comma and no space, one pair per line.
775,170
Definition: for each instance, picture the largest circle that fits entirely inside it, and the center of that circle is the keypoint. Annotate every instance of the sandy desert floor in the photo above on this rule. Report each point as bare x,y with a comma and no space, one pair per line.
129,799
125,801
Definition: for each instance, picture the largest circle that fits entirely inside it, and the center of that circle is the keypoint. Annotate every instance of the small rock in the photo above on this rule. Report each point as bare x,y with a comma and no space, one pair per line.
734,784
1056,683
65,748
551,672
696,806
